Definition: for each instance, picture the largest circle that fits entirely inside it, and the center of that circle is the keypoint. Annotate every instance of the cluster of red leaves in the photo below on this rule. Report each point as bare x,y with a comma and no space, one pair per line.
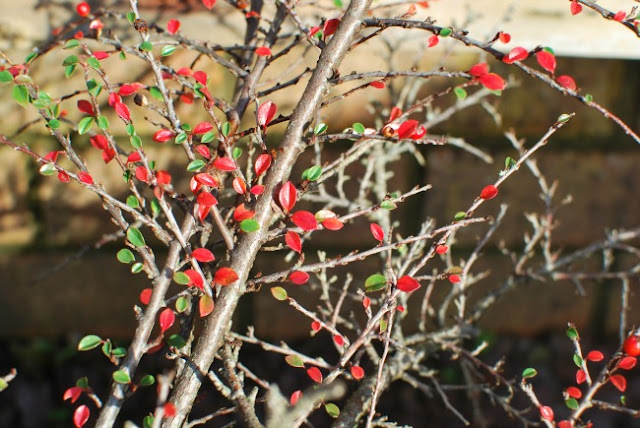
491,81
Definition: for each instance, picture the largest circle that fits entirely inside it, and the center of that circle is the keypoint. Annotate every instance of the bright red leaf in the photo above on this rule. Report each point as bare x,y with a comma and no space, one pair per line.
203,255
574,392
619,381
504,37
395,113
167,318
295,396
195,279
162,136
206,179
207,199
407,284
63,177
202,128
357,372
378,84
454,279
546,412
287,196
209,3
225,276
134,157
433,40
595,356
339,340
292,240
492,81
516,54
203,151
576,8
169,409
407,128
201,77
298,277
479,69
173,26
546,60
257,189
85,177
263,162
620,16
332,224
315,374
489,192
83,9
304,220
163,177
123,111
316,326
72,394
224,164
266,112
581,376
627,363
330,27
442,249
242,213
377,231
263,51
85,107
81,416
100,142
366,302
145,296
142,174
567,82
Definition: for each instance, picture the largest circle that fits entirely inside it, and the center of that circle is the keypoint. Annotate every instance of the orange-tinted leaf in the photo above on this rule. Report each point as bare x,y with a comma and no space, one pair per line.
239,185
195,279
205,305
292,240
225,276
332,224
167,318
357,372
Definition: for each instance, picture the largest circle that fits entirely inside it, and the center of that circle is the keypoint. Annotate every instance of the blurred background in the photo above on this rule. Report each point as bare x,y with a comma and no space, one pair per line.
58,282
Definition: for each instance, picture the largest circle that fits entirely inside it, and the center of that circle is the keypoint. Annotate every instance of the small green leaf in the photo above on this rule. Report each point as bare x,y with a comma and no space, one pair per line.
249,225
236,153
133,202
182,303
69,70
320,128
103,123
125,256
167,50
71,43
383,325
21,95
358,128
461,94
181,138
70,60
94,87
3,384
460,215
119,352
54,124
155,207
577,359
588,98
209,136
445,32
131,130
121,377
89,342
156,93
5,77
106,348
83,382
225,128
176,341
136,267
131,17
48,169
314,173
147,422
388,205
181,278
85,125
135,237
30,57
136,142
509,162
94,63
375,282
332,410
279,293
564,118
571,403
146,46
572,333
122,55
195,165
529,372
294,360
148,380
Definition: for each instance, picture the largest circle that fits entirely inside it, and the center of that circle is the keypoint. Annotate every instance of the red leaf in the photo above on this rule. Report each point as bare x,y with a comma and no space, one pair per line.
565,424
489,192
619,381
207,199
225,276
206,179
407,284
85,177
287,196
173,26
420,132
239,185
263,51
205,306
366,302
304,220
63,177
316,326
330,27
442,249
504,37
408,128
142,174
576,8
266,112
145,296
377,231
357,372
53,156
203,151
595,356
263,162
395,113
167,318
516,54
432,41
581,376
126,90
185,71
378,84
298,277
315,374
201,77
574,392
242,213
546,412
567,82
72,393
81,416
163,177
224,164
202,128
332,224
169,409
295,396
134,157
123,111
257,189
100,142
627,363
492,81
454,279
209,3
546,60
195,279
162,136
85,107
203,255
338,339
293,241
479,69
620,16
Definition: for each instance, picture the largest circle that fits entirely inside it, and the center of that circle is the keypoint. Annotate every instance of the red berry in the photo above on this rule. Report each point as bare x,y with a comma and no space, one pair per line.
632,345
83,9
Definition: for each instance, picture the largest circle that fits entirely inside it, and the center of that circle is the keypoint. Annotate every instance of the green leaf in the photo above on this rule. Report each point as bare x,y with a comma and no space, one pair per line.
226,128
83,382
94,87
358,128
279,293
314,173
577,359
131,17
155,207
294,361
156,93
181,278
89,342
71,43
70,60
564,118
388,205
133,202
147,422
146,46
572,333
121,377
236,153
135,237
182,304
131,130
332,410
320,128
195,165
5,77
119,352
47,169
136,142
106,348
509,162
181,138
122,55
136,267
460,93
249,225
3,384
125,256
176,341
21,95
375,282
571,403
148,380
588,98
94,62
69,70
209,136
30,57
529,372
460,215
445,32
85,125
383,325
167,50
54,124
